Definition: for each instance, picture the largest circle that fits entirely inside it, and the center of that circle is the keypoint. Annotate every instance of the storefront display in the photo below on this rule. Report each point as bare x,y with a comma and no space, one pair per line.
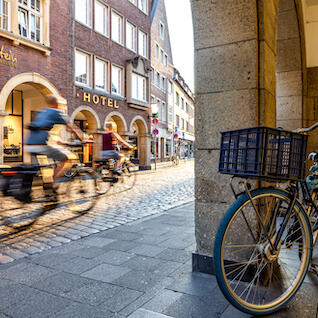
13,128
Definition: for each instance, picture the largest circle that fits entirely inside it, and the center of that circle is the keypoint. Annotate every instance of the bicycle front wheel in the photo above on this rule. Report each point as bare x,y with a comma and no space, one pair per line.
253,276
128,177
82,191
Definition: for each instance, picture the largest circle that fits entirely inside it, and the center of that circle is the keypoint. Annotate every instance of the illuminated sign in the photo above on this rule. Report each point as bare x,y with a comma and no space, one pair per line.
100,100
7,58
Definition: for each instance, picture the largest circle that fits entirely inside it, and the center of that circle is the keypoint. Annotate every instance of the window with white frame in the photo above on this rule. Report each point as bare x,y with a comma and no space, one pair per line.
166,60
182,103
83,11
161,56
82,68
169,87
182,123
133,2
139,87
163,83
152,99
101,18
177,121
177,98
187,126
170,114
158,79
164,112
30,19
187,107
142,5
101,74
131,34
4,14
157,51
142,47
159,109
161,30
117,27
117,80
152,76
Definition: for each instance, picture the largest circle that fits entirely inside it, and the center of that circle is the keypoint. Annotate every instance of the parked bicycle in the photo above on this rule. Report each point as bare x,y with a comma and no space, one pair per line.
22,201
264,244
124,179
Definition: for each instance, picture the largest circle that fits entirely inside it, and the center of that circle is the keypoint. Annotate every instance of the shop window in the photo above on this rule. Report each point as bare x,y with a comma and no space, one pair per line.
101,74
131,34
101,18
142,47
139,87
142,5
13,128
168,148
83,11
4,15
117,28
29,19
82,68
117,80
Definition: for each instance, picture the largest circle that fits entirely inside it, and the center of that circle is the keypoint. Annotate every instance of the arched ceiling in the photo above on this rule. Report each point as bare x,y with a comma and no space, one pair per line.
310,10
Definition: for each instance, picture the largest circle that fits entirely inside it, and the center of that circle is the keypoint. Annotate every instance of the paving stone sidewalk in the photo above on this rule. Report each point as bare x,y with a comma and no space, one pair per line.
140,270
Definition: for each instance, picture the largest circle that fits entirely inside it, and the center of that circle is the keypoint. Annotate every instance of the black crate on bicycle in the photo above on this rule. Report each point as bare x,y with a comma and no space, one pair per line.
263,152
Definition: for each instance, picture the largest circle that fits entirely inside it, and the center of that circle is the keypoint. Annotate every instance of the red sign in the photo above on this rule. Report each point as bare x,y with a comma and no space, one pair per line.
155,121
155,132
175,136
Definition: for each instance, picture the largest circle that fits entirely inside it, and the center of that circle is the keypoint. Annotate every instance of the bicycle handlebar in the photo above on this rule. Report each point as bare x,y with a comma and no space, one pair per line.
306,130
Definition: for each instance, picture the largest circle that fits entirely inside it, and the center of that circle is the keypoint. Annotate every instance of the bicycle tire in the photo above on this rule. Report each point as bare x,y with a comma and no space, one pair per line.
82,191
17,215
226,266
128,177
103,179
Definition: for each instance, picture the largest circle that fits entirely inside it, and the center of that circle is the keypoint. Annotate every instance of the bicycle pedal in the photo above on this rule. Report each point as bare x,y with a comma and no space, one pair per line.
313,268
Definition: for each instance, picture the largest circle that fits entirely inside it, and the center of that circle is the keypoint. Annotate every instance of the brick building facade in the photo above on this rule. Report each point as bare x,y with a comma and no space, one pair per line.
44,46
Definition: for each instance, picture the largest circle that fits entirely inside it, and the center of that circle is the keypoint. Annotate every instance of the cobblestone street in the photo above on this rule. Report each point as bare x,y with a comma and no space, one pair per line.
153,193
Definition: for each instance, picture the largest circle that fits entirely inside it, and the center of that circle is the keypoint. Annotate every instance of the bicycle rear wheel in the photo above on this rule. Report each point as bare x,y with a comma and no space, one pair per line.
18,215
252,277
82,191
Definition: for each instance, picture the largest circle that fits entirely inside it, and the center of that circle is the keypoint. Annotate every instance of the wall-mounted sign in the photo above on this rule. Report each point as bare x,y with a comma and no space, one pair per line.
101,100
155,132
155,121
7,58
175,136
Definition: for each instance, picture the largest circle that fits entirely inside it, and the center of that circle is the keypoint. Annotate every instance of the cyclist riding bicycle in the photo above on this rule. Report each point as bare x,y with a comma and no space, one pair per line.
110,139
37,141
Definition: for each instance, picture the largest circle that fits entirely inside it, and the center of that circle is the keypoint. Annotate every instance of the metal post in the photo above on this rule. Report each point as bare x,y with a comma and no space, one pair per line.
155,152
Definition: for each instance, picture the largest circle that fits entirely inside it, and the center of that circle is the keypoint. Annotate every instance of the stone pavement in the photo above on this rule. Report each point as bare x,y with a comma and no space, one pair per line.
153,193
141,269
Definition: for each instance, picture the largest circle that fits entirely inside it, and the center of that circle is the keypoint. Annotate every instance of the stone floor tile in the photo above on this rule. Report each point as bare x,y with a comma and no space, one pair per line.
121,246
119,235
144,313
87,252
51,260
114,257
77,265
174,255
97,241
143,263
4,259
106,273
147,250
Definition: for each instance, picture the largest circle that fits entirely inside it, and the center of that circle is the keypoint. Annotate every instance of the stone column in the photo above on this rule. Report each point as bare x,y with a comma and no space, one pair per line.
234,80
144,152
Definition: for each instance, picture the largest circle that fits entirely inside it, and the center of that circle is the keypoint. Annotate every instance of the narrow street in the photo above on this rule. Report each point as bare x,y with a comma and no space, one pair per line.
153,193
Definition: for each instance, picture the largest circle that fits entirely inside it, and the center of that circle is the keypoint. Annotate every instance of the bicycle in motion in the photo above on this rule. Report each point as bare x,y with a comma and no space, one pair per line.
24,199
124,179
264,244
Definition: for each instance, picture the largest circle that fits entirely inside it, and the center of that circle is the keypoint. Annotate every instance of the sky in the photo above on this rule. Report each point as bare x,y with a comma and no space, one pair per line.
181,37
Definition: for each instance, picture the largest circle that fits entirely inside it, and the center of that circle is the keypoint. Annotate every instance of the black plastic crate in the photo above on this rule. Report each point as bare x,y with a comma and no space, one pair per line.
263,152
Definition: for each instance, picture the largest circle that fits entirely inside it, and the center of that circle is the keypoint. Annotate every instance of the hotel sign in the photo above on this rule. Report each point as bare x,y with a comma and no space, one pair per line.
100,100
7,58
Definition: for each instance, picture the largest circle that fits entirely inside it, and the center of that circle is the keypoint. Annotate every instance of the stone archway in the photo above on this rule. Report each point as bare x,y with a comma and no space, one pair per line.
120,122
139,131
88,121
32,88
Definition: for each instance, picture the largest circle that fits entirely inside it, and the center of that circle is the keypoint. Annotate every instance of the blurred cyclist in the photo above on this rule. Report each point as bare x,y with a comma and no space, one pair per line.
110,139
37,141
